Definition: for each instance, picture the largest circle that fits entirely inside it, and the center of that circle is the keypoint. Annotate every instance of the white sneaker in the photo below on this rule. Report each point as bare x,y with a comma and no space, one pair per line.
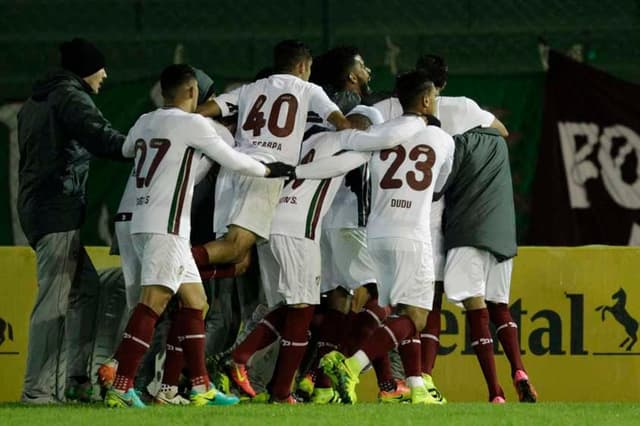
171,398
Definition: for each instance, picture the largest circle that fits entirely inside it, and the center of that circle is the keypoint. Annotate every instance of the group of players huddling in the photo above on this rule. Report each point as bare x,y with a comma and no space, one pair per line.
401,202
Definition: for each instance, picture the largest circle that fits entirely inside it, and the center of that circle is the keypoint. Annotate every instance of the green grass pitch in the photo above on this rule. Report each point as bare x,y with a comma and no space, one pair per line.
546,414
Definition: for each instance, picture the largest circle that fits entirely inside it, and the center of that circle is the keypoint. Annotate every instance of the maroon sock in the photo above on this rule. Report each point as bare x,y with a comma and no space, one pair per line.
174,361
384,373
192,335
507,332
366,322
292,348
135,342
265,333
329,333
482,344
200,255
409,350
388,336
430,335
224,270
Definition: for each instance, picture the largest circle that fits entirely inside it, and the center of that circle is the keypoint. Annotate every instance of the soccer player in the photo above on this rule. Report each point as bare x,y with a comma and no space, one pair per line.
398,237
290,262
480,250
272,113
165,143
347,264
456,115
131,266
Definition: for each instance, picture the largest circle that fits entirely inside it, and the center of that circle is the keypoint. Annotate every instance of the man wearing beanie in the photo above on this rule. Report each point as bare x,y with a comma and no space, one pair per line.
59,130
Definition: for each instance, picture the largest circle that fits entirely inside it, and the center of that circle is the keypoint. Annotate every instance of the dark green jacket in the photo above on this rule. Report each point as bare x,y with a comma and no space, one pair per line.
59,129
479,210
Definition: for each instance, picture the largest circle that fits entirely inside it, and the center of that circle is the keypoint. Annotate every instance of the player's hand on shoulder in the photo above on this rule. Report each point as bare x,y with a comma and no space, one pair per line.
278,169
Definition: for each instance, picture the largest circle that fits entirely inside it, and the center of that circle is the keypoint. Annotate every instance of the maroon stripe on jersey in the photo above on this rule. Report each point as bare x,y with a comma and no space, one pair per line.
183,191
316,214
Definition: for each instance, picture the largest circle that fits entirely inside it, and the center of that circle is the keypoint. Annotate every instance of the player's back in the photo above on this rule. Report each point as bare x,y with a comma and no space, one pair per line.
403,180
272,115
304,202
457,114
480,182
165,170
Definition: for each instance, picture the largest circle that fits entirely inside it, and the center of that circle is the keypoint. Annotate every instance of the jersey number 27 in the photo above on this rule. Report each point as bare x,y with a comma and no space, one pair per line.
161,147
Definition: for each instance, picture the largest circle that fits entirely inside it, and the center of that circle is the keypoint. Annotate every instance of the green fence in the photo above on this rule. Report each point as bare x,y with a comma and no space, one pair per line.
491,47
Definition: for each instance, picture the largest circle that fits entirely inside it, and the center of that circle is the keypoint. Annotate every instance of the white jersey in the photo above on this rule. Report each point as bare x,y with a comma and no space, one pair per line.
382,136
128,200
457,114
272,115
304,202
347,209
403,180
166,142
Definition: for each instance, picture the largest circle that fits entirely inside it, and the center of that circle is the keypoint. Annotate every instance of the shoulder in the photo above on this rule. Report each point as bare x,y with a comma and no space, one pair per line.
197,121
436,136
458,103
436,132
371,113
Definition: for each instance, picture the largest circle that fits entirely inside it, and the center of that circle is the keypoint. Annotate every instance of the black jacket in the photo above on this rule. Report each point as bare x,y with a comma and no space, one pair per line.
59,128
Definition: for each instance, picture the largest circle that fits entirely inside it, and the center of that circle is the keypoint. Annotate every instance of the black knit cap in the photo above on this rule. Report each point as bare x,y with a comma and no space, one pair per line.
81,57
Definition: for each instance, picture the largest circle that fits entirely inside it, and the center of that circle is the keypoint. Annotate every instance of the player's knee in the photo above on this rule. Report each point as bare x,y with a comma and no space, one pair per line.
474,303
193,296
241,242
339,300
156,297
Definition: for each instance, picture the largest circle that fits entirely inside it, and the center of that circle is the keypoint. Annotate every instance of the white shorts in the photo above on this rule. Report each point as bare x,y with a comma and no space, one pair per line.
130,263
471,272
252,203
346,261
290,270
166,260
405,271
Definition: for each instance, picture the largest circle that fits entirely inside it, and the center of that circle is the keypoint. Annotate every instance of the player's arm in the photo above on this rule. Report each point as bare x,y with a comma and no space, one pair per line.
497,124
448,171
223,105
204,138
320,103
484,118
447,165
382,137
338,120
209,109
333,166
129,146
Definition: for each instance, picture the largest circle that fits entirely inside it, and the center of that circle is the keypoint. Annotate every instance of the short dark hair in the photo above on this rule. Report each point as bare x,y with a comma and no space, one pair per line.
411,85
435,67
288,53
334,66
173,77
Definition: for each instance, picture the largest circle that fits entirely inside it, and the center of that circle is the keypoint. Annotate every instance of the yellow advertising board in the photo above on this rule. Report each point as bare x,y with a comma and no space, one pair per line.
18,286
577,310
